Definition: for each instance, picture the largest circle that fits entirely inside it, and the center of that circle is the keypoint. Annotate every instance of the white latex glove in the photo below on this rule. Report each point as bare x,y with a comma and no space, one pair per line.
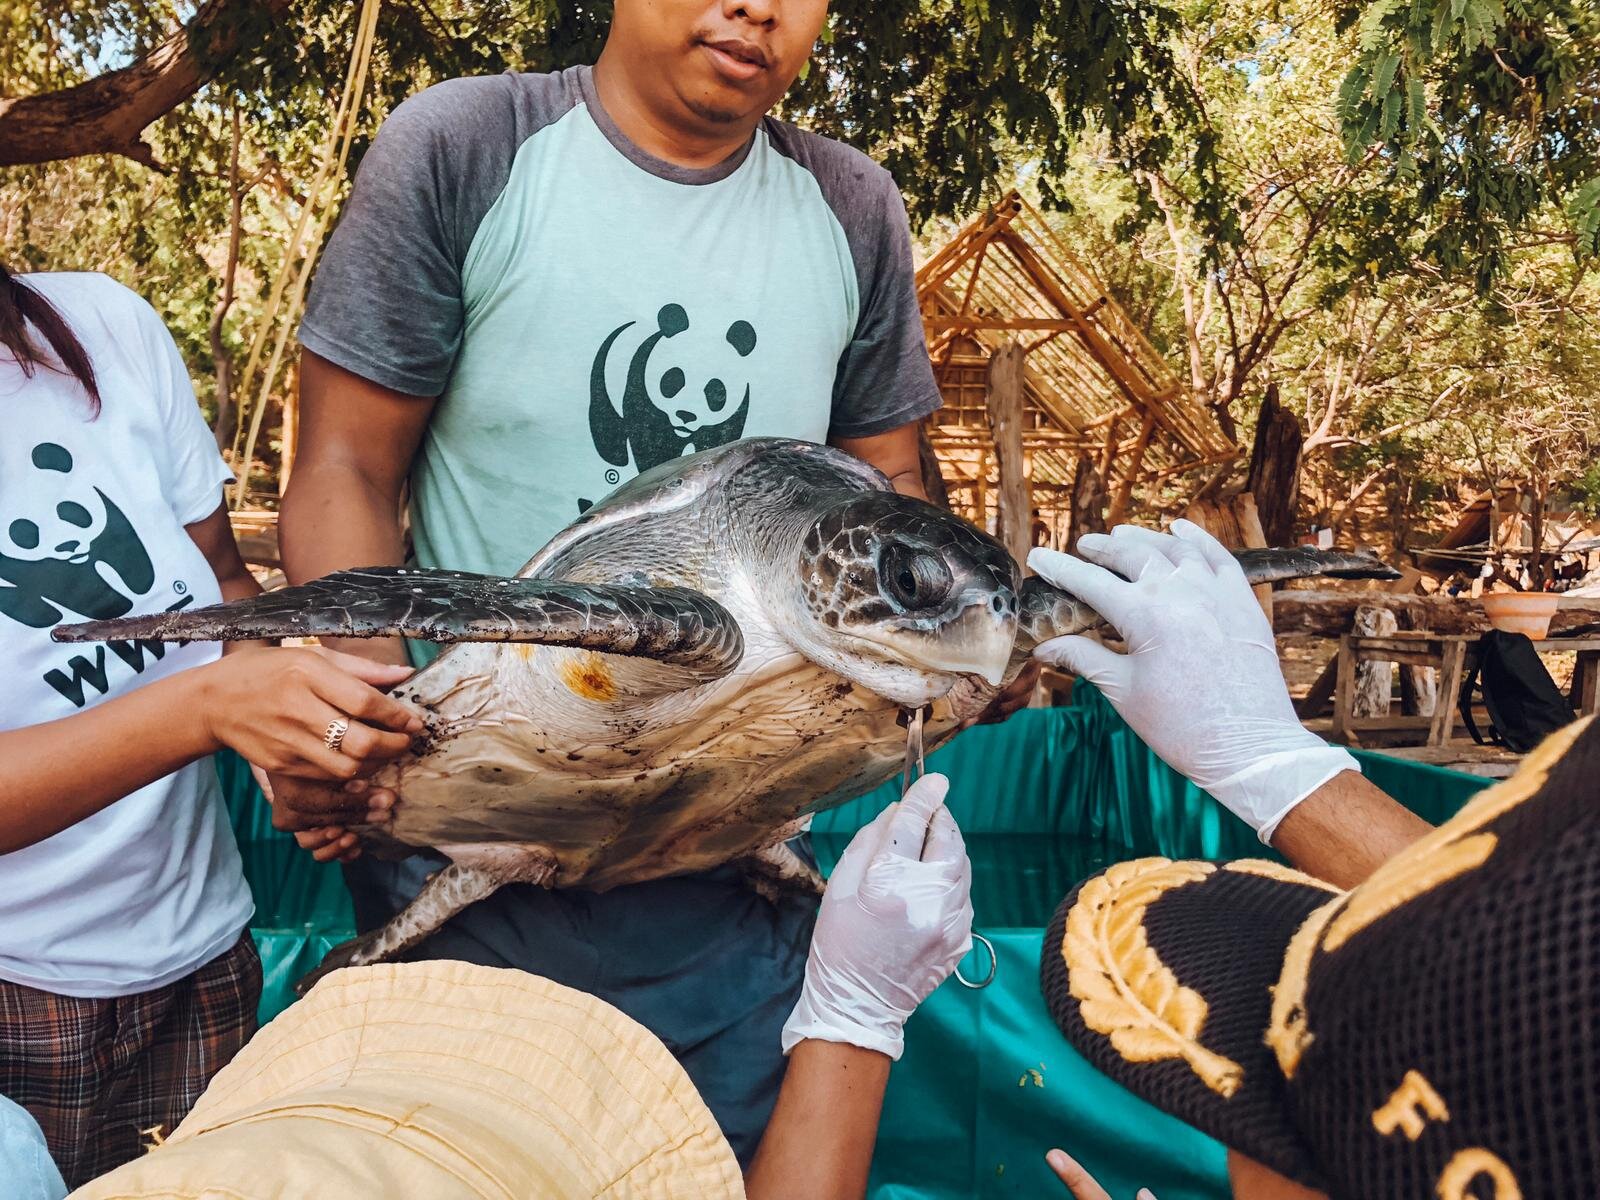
895,921
1200,682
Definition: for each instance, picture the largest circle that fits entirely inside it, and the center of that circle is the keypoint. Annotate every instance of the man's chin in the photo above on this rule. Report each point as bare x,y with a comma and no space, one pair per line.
716,112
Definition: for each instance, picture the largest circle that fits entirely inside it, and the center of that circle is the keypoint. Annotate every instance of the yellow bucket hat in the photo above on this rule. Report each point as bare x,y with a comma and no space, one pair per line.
441,1080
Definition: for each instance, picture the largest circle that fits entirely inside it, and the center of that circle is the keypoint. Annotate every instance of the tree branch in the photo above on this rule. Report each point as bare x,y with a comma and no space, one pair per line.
106,114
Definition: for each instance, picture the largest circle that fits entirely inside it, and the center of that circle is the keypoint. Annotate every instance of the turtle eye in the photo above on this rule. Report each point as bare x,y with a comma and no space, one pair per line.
914,578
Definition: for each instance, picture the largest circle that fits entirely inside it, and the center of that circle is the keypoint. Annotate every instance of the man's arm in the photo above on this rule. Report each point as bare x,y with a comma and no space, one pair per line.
342,507
1201,684
1345,830
895,453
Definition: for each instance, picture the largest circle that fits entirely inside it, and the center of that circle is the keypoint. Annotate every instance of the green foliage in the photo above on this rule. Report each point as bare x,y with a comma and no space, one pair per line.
945,92
1586,491
1386,207
1490,111
1414,389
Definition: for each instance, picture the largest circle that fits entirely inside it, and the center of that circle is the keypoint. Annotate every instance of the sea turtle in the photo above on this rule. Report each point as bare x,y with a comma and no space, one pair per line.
723,646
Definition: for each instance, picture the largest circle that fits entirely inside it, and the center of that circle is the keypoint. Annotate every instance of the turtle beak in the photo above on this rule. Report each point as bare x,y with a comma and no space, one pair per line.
977,641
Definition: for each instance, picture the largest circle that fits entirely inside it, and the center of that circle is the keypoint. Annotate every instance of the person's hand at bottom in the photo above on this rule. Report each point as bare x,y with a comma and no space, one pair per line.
1079,1182
895,921
328,843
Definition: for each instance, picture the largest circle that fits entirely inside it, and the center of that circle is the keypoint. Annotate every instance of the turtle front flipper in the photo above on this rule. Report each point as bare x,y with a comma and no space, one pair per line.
1306,562
669,624
1045,611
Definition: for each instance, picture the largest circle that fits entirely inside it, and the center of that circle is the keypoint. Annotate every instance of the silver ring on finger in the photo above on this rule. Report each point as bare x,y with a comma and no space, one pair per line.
333,737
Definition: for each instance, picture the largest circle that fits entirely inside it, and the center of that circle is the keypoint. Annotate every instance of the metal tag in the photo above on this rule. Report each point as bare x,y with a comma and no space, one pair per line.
914,766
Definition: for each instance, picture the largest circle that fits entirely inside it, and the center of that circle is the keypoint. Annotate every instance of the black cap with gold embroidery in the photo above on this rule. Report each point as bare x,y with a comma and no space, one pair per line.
1434,1032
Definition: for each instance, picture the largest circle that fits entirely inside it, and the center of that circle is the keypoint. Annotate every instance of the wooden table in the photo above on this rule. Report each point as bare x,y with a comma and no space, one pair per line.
1452,655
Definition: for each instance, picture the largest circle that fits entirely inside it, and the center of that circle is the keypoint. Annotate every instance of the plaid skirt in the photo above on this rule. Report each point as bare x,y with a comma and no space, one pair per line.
106,1078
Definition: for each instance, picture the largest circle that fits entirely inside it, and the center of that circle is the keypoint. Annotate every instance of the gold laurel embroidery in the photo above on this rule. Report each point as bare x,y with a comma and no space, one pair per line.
1487,805
1448,851
1123,989
1470,1165
1390,889
1412,1106
1289,1029
1271,870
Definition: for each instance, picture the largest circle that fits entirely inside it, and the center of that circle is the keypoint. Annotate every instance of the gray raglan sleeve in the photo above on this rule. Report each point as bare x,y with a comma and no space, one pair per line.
386,301
885,378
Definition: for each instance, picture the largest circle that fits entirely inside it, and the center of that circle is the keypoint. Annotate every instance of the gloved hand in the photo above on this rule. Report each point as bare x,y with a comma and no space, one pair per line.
895,921
1200,681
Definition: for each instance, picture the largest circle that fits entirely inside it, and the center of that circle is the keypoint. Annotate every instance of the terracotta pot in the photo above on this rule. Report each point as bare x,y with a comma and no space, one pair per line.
1521,612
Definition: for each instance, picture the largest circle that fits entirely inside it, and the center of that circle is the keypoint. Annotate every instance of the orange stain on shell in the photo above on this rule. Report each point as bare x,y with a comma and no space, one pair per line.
588,676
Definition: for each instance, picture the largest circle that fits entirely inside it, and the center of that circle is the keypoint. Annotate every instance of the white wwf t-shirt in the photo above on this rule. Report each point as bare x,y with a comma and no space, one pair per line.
92,516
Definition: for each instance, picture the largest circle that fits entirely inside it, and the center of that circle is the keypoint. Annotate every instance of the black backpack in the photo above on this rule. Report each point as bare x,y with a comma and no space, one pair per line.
1524,704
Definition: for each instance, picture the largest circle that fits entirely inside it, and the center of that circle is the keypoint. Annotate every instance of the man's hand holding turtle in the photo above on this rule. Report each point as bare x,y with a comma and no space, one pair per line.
1200,680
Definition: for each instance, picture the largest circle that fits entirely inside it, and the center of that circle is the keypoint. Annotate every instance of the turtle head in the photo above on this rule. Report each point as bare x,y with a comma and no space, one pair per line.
905,599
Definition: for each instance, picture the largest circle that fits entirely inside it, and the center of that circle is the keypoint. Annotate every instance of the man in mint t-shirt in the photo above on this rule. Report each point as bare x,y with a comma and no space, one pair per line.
542,285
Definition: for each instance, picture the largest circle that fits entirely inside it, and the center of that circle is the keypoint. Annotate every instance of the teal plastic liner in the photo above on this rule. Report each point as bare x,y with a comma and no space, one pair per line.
987,1083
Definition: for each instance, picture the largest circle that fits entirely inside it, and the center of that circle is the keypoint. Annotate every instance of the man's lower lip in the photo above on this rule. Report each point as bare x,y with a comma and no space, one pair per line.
734,68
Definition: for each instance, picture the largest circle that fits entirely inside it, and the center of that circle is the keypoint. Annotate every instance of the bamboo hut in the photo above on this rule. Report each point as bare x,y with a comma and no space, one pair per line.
1050,390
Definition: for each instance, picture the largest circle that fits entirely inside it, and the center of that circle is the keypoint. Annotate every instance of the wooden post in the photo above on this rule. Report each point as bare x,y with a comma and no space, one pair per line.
1087,513
1345,674
289,435
1003,398
1109,450
1374,681
1319,696
1586,682
1444,709
1131,469
980,492
932,477
1233,522
1274,478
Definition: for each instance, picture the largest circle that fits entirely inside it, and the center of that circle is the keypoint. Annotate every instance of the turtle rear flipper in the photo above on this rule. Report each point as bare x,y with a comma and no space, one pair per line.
475,871
669,624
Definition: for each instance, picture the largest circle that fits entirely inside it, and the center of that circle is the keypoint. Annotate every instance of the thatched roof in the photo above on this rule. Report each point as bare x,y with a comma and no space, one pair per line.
1095,388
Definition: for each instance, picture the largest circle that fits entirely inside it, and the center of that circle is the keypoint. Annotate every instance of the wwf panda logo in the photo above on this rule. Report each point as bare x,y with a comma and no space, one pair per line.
72,552
686,391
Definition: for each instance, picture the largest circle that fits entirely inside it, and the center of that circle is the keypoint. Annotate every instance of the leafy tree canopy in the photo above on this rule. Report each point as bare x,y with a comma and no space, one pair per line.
1484,114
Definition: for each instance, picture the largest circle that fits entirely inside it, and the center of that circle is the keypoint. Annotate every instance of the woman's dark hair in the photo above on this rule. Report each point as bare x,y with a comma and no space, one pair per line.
21,306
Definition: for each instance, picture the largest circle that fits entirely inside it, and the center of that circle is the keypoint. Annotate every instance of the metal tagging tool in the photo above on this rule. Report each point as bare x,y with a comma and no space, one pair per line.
914,769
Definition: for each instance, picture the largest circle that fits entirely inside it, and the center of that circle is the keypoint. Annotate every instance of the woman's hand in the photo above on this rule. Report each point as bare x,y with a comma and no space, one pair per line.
275,707
1079,1182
